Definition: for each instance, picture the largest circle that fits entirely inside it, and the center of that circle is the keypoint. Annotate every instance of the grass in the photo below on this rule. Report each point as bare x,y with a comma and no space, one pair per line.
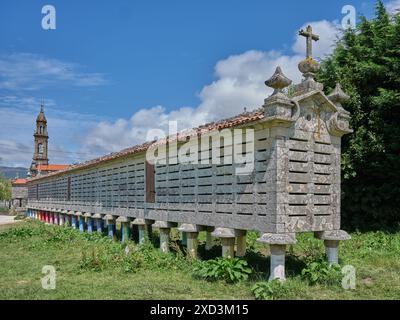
94,267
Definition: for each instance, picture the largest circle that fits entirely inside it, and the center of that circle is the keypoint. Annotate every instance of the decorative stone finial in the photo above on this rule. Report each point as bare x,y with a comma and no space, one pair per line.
339,124
278,107
309,67
278,81
338,96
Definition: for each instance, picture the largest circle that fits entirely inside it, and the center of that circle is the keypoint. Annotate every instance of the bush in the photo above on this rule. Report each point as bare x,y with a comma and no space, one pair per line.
271,290
320,272
366,62
228,269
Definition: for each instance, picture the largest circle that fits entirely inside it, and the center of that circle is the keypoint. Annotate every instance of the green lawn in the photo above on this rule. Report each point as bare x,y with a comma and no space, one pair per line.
95,267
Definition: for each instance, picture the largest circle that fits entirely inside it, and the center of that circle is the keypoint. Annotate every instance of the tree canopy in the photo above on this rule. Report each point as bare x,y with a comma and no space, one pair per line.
5,189
366,62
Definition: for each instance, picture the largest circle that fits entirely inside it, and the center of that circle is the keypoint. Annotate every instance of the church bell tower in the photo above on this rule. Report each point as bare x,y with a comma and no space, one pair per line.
41,136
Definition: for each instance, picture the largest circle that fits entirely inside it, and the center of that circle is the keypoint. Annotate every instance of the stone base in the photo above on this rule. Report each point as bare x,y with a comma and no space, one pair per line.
331,241
277,243
277,268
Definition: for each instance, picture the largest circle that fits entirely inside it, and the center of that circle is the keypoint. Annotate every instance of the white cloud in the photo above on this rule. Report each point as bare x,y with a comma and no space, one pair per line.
239,84
25,71
393,6
17,124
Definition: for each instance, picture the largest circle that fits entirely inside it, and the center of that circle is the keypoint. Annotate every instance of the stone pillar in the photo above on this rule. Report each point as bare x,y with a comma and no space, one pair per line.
277,243
56,218
67,218
89,221
209,238
241,243
110,221
228,247
331,241
125,230
143,228
149,228
165,229
98,218
81,221
61,218
73,220
184,239
192,232
227,240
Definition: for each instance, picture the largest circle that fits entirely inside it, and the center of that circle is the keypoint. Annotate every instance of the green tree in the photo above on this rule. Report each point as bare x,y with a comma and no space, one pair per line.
5,189
366,62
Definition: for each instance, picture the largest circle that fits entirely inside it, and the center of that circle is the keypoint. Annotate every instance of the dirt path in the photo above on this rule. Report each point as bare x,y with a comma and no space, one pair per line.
7,220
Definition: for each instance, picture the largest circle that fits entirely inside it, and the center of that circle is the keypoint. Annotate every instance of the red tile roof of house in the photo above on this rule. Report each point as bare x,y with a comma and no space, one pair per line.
52,167
19,181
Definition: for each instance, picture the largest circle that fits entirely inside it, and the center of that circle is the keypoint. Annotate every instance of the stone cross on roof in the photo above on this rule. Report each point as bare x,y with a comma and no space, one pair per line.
308,34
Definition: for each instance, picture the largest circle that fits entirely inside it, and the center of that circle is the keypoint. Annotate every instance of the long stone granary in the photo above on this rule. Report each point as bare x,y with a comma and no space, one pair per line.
288,183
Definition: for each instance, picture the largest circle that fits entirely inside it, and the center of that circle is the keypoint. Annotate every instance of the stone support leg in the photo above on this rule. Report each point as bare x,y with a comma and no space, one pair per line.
241,245
142,233
125,231
228,247
89,224
331,241
277,243
192,244
277,267
209,238
81,224
73,221
164,239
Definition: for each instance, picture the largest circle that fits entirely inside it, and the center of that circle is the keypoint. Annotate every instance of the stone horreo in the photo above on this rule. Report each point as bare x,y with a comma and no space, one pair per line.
293,185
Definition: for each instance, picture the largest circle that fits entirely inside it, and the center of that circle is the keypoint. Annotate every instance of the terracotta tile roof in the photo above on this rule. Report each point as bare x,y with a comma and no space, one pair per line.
52,167
240,119
19,181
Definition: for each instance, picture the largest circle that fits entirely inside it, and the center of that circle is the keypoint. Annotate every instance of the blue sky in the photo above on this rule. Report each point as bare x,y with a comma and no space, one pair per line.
113,69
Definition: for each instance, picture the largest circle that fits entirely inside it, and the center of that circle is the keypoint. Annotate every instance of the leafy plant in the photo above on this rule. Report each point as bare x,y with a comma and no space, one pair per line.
228,269
320,272
271,290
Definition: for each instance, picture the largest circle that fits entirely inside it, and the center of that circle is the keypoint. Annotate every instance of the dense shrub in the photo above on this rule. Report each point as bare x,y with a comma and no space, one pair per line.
271,290
227,269
320,272
367,64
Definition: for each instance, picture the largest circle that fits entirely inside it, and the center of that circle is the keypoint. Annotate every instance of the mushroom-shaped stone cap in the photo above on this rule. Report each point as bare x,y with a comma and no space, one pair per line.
188,227
78,213
97,216
223,233
278,81
109,217
70,212
338,235
87,215
338,95
275,238
138,222
123,219
164,224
